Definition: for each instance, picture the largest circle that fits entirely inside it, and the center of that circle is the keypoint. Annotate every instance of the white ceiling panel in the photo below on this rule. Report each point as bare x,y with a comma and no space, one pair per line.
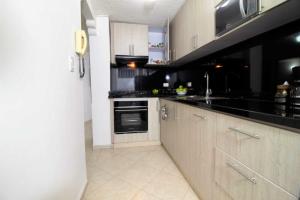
152,12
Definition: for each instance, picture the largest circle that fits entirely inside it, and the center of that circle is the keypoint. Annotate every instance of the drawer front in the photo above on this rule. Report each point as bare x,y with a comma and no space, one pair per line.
240,182
269,151
235,180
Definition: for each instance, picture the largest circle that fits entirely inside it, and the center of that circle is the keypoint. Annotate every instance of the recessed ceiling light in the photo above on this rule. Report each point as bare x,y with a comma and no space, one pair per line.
167,77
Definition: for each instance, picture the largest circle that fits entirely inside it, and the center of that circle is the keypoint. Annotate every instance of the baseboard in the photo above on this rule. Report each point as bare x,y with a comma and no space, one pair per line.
82,191
102,147
137,144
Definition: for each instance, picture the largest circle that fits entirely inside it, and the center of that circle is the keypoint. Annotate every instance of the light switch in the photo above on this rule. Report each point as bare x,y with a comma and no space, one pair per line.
72,63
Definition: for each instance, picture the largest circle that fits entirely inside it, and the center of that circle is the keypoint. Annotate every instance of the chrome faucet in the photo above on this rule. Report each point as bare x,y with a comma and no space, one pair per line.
208,91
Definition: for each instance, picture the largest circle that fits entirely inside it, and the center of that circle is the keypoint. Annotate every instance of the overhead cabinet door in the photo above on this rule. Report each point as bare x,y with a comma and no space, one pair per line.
121,38
140,40
205,22
129,39
193,27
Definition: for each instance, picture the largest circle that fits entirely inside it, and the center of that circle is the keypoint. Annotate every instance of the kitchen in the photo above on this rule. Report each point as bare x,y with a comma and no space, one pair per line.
216,86
150,100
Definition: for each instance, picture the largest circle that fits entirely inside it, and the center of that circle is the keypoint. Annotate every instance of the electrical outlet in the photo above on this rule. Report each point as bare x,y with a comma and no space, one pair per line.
165,85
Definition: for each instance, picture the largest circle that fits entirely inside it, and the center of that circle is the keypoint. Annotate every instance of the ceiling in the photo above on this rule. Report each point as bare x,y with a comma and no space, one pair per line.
151,12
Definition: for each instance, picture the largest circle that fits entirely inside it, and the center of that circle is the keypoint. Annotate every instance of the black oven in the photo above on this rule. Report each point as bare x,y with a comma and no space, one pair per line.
130,117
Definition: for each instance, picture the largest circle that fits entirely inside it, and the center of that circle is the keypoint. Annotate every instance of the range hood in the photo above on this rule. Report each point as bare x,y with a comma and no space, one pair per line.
131,61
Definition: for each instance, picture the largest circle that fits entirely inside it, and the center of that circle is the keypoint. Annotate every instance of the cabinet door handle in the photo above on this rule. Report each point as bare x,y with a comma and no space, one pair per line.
193,42
174,54
200,116
164,112
130,49
235,168
133,50
244,133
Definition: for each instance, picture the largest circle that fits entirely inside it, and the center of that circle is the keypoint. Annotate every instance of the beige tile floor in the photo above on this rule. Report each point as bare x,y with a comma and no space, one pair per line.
137,173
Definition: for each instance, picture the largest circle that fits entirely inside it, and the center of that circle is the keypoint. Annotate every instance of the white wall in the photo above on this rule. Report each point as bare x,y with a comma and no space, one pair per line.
42,155
87,96
100,76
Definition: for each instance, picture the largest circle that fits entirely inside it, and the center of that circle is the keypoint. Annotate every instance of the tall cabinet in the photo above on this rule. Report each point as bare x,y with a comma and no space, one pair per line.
128,39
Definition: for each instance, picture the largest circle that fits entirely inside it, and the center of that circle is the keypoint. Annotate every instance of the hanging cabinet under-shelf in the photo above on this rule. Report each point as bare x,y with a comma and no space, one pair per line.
266,5
128,39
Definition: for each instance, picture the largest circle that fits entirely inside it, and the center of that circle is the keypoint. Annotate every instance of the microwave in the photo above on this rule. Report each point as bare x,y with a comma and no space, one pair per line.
232,13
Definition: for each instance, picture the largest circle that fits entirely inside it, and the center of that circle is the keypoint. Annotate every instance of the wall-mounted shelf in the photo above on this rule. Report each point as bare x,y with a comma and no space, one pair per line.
157,49
158,45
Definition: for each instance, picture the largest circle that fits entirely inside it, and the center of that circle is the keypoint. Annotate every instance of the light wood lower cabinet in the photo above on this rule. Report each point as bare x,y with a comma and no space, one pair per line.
168,127
233,178
224,157
200,149
240,182
272,152
190,141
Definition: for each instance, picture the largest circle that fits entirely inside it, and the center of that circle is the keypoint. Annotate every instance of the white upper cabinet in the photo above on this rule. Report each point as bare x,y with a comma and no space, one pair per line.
139,40
129,39
193,27
205,22
121,38
269,4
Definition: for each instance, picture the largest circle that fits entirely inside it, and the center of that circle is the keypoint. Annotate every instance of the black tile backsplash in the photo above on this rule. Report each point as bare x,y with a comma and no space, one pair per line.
253,67
139,79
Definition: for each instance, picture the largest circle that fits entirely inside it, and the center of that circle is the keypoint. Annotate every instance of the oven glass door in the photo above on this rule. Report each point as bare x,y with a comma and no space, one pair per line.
131,120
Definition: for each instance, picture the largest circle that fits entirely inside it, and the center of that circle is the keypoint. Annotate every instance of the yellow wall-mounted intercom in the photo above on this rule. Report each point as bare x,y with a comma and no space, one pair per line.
80,42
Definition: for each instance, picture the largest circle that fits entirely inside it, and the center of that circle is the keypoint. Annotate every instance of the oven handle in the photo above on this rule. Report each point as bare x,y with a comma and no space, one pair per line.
131,110
133,120
131,107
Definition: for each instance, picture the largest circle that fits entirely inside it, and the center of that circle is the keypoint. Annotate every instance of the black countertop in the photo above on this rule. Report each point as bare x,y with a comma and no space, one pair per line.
261,111
139,94
258,110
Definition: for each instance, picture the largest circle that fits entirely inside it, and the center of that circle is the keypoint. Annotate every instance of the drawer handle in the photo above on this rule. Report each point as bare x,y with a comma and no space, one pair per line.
244,133
235,168
200,116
